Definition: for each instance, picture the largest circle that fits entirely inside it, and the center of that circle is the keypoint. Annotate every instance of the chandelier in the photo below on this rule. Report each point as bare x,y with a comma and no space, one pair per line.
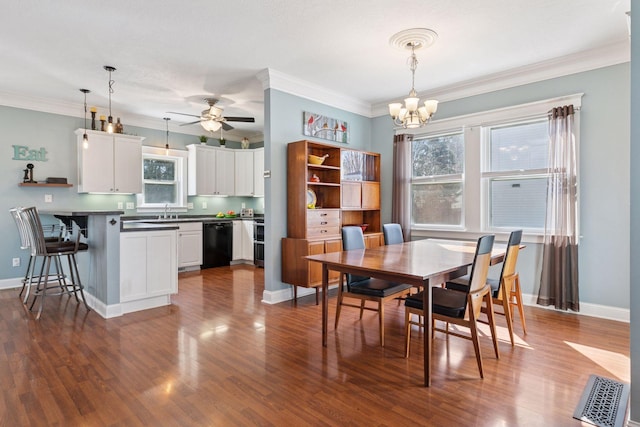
411,115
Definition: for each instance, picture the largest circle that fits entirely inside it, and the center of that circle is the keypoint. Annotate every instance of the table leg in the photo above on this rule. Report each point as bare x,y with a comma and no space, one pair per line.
325,302
426,304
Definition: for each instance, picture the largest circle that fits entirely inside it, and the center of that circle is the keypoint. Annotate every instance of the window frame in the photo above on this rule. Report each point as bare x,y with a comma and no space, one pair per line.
180,159
475,196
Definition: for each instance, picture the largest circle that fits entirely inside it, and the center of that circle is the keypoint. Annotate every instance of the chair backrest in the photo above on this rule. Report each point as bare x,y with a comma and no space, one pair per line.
392,234
481,261
37,241
353,238
22,228
511,257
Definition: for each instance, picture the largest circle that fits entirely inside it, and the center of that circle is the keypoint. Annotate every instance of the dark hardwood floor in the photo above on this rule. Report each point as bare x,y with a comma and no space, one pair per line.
220,357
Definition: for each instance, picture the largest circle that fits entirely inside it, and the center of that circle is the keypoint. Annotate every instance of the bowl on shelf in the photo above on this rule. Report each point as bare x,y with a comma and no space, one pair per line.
317,160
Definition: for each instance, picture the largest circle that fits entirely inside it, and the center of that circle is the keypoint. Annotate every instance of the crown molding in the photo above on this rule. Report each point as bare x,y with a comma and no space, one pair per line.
273,79
46,105
605,56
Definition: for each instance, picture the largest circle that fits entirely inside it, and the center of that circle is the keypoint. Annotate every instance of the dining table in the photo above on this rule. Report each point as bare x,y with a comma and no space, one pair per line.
420,263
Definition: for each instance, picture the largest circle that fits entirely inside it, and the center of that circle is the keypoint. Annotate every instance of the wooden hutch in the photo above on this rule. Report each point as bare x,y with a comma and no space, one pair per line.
343,190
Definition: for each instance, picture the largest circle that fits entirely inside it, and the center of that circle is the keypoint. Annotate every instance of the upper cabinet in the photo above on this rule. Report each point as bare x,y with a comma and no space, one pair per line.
244,185
211,171
109,163
258,172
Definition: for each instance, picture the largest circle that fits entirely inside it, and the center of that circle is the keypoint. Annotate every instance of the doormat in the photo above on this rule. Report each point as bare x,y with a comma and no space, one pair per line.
603,402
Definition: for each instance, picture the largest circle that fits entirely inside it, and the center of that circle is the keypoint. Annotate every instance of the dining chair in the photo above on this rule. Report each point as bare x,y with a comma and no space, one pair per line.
505,291
392,234
459,307
51,251
365,288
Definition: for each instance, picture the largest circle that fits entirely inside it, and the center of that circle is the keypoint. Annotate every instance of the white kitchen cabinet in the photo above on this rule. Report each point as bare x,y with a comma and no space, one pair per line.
148,269
211,171
258,172
189,244
244,173
109,163
242,248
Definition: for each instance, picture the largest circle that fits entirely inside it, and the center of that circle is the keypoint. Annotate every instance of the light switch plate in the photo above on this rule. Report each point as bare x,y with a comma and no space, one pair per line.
189,205
120,205
130,205
48,198
204,205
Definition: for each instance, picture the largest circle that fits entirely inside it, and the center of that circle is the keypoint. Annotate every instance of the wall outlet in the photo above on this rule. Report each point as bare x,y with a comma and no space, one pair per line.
48,198
130,205
204,205
120,205
189,205
243,206
16,262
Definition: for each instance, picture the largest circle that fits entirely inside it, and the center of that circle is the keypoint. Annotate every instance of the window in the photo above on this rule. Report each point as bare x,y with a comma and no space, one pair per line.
436,184
484,172
515,175
163,180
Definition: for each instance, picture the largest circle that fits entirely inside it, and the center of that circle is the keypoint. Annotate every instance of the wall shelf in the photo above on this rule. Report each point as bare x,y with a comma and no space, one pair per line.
43,184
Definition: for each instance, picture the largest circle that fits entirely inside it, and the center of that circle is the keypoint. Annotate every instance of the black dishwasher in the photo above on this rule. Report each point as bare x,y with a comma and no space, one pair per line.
217,240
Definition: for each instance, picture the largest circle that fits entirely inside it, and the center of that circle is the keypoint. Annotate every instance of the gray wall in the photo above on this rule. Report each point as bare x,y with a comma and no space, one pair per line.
284,112
604,175
56,134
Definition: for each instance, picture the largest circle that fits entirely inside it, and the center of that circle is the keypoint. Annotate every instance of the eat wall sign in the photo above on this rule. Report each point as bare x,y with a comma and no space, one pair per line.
22,152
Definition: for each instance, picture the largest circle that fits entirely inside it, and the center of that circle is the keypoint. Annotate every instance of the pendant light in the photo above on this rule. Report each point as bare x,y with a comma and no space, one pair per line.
85,137
166,145
110,69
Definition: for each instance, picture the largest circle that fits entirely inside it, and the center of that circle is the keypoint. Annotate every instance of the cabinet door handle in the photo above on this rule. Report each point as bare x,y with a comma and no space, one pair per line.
323,214
323,231
323,222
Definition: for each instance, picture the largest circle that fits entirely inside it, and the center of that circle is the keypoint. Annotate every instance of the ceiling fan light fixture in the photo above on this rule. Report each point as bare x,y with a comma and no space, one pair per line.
211,125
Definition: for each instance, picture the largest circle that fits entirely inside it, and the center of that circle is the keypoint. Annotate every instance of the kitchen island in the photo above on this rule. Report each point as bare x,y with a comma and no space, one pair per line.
101,268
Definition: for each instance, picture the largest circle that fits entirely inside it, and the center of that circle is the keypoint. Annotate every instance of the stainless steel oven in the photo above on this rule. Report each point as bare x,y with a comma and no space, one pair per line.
258,242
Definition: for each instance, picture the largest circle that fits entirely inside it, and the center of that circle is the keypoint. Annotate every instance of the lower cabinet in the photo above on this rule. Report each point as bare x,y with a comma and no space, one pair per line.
242,248
148,269
298,271
373,240
189,244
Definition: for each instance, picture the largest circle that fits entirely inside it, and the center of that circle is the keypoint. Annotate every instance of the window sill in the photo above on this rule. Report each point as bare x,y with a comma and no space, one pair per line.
469,235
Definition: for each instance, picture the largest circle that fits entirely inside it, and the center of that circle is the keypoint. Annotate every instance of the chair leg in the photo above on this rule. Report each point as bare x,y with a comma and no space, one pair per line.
506,306
476,342
492,324
361,308
339,299
407,332
76,280
317,296
518,294
381,321
44,288
26,276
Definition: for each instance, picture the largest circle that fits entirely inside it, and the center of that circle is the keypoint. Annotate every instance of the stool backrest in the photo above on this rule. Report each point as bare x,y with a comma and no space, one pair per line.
22,228
37,241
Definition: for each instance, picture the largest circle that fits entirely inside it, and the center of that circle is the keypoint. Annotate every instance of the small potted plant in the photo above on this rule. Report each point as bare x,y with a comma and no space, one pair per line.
203,139
222,142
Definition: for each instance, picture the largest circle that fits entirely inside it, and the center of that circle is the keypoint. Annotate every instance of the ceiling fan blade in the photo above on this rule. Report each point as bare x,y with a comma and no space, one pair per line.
182,114
190,123
226,126
240,119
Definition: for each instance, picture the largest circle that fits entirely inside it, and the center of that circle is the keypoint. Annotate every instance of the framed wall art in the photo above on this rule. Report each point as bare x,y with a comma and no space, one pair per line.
319,126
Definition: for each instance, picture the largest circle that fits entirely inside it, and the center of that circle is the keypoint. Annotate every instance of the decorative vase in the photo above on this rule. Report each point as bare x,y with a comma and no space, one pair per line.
93,120
119,127
244,144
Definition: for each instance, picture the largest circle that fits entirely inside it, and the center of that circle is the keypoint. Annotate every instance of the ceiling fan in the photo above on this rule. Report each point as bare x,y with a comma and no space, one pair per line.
211,119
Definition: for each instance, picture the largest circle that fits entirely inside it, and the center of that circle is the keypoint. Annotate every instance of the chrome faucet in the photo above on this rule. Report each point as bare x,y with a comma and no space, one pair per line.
166,206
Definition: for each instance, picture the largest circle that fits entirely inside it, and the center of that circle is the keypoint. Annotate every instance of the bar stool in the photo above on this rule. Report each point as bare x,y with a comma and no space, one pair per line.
55,235
49,251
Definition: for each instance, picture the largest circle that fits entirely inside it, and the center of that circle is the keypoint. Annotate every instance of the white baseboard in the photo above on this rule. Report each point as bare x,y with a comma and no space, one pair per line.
633,423
282,295
586,309
15,282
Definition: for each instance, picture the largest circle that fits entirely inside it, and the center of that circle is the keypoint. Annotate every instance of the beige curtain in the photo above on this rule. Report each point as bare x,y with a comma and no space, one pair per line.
559,280
401,192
